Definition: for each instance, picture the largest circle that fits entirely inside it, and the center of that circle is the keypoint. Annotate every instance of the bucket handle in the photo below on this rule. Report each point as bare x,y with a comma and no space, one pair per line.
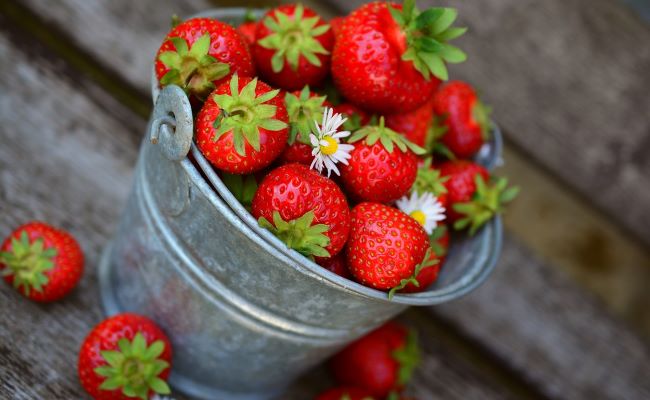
171,124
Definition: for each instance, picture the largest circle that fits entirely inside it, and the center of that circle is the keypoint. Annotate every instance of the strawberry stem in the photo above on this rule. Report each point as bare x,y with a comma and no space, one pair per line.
303,110
386,136
299,234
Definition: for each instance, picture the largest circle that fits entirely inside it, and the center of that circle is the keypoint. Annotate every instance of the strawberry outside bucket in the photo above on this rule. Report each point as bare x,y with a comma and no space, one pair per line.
245,314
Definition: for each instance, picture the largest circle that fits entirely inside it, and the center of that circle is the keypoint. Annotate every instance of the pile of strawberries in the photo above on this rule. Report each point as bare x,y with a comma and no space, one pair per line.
340,137
341,140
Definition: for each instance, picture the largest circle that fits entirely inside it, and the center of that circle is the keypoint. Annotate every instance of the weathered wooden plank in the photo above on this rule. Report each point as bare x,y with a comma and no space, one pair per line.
557,336
67,159
568,80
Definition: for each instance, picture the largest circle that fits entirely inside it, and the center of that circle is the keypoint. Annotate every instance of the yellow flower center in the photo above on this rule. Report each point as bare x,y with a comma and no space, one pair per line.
419,216
329,148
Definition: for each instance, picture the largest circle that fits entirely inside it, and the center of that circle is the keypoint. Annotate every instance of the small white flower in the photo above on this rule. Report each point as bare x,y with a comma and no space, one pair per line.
326,143
425,209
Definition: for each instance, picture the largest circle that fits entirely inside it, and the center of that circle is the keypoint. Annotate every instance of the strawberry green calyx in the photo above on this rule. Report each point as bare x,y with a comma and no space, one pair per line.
192,69
435,132
243,187
481,114
299,234
427,262
427,34
244,113
292,37
488,200
436,247
388,138
27,263
408,357
303,110
249,16
428,180
134,368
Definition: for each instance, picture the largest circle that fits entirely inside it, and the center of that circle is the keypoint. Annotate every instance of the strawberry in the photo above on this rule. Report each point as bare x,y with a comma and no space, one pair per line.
414,125
247,27
304,209
383,164
388,58
382,362
336,264
124,357
304,109
242,127
464,117
345,393
42,262
473,199
200,54
356,117
386,248
439,241
293,47
335,24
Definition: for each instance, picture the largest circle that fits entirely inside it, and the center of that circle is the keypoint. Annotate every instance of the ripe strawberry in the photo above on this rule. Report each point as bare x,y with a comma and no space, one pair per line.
464,116
242,127
200,54
304,209
377,171
473,200
356,117
439,241
304,108
124,357
43,263
388,58
386,248
336,264
335,24
247,27
414,125
345,393
380,362
293,47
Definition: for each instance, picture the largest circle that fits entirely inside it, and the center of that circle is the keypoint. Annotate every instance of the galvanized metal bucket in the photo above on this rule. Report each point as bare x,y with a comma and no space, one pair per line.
246,315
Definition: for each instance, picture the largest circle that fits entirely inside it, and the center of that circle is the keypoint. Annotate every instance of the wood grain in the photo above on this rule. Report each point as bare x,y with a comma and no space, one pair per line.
69,162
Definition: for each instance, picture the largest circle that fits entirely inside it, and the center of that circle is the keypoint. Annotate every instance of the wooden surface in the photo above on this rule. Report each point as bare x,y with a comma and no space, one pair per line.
531,331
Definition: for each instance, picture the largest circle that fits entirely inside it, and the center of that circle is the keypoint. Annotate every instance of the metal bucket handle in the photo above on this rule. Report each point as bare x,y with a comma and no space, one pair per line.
172,125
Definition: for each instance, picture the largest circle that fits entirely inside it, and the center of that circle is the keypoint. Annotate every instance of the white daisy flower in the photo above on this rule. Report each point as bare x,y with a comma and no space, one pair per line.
425,209
326,141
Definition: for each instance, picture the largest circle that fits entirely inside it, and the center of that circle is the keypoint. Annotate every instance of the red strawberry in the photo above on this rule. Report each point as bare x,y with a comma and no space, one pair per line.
388,59
200,54
43,263
380,362
248,27
242,127
383,165
356,117
293,47
304,209
414,125
345,393
464,116
386,248
439,241
472,199
304,109
336,264
124,357
335,24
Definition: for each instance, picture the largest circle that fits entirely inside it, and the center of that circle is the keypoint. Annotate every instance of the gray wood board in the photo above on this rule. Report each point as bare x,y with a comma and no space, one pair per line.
67,159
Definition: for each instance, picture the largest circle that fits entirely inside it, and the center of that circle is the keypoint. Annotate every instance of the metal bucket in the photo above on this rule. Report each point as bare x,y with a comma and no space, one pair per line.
246,315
